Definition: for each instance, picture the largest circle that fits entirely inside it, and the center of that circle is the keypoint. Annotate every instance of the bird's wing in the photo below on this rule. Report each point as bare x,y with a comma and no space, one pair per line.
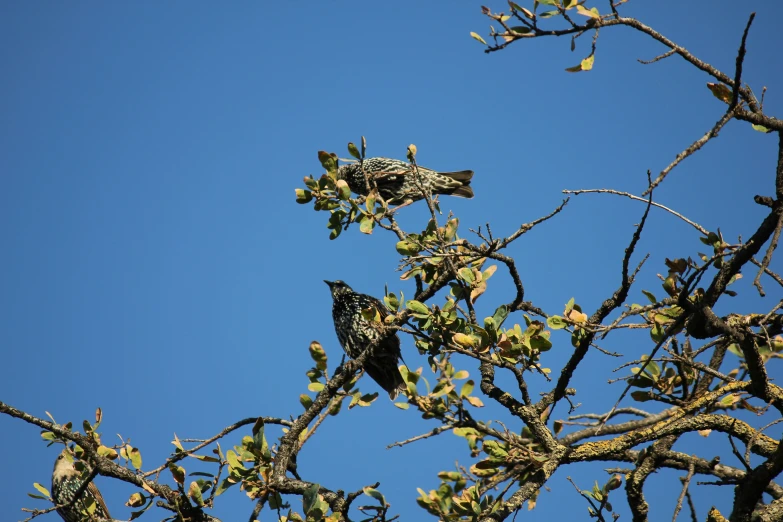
390,175
93,489
379,306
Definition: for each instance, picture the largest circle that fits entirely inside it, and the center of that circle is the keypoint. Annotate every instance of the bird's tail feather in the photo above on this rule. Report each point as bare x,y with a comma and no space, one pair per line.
461,175
462,192
387,376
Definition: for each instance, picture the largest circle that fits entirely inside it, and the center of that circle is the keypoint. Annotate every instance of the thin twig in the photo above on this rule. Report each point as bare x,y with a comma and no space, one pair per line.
685,483
695,225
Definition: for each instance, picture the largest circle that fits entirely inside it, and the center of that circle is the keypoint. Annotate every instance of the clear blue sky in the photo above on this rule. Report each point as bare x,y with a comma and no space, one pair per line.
155,263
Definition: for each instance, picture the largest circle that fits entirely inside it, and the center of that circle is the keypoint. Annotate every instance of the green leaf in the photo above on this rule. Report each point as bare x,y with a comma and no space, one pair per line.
650,296
303,196
407,248
592,13
467,275
334,225
462,374
135,457
194,492
318,355
305,400
276,501
478,37
735,349
374,493
728,400
328,161
177,472
367,225
109,453
465,432
540,343
354,151
259,441
233,460
310,498
343,191
494,449
41,489
761,128
657,333
500,316
402,405
367,399
223,486
391,302
315,387
555,322
641,396
467,388
417,307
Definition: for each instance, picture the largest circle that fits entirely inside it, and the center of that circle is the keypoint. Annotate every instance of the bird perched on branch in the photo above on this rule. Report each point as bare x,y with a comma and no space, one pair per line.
66,481
397,180
356,334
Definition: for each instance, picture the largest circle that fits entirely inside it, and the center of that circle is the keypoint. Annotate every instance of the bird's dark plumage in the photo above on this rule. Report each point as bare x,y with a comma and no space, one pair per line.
396,180
356,334
66,481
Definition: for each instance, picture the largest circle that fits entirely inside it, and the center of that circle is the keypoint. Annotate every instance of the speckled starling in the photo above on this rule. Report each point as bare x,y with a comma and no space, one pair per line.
396,180
66,481
356,334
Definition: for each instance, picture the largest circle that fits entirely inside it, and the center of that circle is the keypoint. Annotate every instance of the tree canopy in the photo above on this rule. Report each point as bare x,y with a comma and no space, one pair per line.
687,335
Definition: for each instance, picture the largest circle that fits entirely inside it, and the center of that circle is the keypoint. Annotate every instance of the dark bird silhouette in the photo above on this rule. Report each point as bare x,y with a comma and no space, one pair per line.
356,334
66,481
397,180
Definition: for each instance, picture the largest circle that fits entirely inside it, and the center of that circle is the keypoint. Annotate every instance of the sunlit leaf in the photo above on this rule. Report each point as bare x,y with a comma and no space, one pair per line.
720,91
478,37
555,322
42,489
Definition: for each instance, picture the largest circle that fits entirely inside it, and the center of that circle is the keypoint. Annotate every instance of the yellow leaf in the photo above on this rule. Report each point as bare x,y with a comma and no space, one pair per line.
720,91
464,340
577,317
587,63
476,292
475,401
478,37
592,13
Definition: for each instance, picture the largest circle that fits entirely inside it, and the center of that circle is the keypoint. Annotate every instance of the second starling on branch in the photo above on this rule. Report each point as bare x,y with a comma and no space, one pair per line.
397,180
356,334
66,481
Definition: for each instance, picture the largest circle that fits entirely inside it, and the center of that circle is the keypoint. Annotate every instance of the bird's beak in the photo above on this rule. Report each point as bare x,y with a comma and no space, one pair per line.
330,283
